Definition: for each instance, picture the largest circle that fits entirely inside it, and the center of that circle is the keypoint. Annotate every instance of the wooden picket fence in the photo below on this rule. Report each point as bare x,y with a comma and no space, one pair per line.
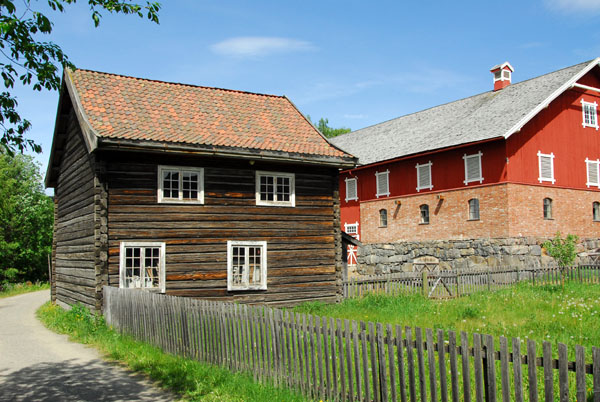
448,284
328,359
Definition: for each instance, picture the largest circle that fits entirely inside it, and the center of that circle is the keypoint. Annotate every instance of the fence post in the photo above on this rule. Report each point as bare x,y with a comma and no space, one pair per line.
489,280
425,286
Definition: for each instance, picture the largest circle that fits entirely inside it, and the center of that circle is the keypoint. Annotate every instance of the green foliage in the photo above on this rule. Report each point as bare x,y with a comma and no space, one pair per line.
562,250
26,220
329,132
38,63
193,380
14,289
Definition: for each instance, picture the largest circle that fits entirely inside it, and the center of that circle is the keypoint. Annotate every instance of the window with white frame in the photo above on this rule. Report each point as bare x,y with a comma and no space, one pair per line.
590,117
473,168
142,265
177,184
596,211
352,230
547,208
246,265
351,189
473,209
424,209
546,167
424,176
592,172
382,183
273,188
383,218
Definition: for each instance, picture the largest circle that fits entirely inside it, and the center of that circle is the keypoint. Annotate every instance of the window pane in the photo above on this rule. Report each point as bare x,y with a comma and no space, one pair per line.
238,263
151,264
474,209
170,184
283,189
267,190
189,184
596,211
383,218
424,213
133,268
547,208
254,266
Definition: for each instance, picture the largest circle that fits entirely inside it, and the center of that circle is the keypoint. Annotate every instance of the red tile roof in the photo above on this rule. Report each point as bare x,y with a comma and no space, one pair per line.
119,107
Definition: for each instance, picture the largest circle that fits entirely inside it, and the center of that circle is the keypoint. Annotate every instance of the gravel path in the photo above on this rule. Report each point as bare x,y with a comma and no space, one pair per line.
39,365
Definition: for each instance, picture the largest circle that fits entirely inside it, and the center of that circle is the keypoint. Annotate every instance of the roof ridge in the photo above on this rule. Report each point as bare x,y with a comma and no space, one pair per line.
180,83
465,98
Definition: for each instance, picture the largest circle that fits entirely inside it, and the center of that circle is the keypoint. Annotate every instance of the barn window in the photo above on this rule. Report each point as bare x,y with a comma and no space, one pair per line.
142,265
473,209
275,189
424,176
473,168
383,218
546,167
593,173
180,184
352,230
246,265
351,190
547,208
590,117
383,184
596,211
424,214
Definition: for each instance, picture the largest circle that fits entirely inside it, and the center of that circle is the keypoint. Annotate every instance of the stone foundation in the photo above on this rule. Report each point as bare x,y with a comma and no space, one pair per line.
460,254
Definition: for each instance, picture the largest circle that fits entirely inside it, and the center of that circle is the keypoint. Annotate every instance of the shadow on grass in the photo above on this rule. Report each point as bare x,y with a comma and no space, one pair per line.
73,381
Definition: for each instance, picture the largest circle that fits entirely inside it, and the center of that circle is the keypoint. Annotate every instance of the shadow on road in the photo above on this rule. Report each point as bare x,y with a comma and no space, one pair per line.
73,381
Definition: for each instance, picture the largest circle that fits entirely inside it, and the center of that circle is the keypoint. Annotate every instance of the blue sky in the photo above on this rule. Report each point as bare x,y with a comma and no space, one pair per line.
355,62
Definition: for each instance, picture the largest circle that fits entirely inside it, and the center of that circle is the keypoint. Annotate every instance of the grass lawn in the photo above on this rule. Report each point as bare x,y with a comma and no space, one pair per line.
542,313
14,289
192,380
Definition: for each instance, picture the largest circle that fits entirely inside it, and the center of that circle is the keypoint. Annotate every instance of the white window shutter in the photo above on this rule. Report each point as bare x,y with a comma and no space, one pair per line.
473,168
383,185
351,190
546,167
593,173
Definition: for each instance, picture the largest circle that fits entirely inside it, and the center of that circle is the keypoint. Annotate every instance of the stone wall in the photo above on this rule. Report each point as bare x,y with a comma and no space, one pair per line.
458,254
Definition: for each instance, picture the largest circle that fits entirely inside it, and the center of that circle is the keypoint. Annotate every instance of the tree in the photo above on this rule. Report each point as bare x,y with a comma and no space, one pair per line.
26,220
329,132
563,251
37,63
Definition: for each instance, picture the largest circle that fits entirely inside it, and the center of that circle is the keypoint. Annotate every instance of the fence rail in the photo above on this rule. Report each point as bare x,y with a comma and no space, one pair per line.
446,284
333,359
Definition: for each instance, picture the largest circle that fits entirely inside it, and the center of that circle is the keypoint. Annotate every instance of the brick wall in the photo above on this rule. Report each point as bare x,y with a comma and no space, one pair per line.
506,210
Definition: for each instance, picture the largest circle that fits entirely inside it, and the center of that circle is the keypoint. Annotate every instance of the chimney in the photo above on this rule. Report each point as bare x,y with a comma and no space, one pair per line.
502,75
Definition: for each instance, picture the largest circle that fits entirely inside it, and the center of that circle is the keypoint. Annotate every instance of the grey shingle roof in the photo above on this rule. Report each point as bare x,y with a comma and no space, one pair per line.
481,117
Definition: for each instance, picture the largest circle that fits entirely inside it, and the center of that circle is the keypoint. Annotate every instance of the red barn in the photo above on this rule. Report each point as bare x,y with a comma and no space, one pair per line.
520,160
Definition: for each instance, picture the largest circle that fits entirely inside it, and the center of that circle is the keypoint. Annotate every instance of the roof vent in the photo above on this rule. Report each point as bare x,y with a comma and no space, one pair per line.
502,75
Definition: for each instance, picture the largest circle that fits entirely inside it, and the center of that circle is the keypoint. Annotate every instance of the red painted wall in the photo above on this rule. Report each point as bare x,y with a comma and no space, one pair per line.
557,129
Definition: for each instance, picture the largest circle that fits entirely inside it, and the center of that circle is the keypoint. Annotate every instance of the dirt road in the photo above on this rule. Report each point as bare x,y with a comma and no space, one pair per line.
39,365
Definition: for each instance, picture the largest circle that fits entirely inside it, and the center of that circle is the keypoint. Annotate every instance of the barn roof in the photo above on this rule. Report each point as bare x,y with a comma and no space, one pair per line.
481,117
116,110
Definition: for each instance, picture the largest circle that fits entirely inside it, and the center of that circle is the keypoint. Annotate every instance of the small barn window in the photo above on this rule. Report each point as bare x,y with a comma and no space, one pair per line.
473,168
383,218
351,189
546,167
424,214
180,185
383,184
352,230
590,117
142,265
547,208
276,189
473,209
596,211
246,265
424,176
593,173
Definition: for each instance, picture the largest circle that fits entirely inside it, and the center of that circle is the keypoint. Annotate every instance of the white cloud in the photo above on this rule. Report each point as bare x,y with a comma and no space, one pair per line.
253,46
574,6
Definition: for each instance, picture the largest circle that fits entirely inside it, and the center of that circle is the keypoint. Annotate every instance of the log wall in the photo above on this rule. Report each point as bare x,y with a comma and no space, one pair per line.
303,260
74,256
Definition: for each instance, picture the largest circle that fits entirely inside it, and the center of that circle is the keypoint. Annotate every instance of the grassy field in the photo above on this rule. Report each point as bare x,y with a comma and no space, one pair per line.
569,315
20,288
192,380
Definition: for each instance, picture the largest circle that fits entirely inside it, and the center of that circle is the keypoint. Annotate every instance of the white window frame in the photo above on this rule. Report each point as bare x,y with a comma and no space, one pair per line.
276,203
377,178
355,184
424,186
593,106
547,179
263,265
161,267
353,234
474,179
471,217
588,163
383,212
180,200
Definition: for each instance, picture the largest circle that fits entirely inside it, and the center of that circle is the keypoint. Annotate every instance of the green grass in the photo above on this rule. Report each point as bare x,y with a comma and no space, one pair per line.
187,378
541,313
13,289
